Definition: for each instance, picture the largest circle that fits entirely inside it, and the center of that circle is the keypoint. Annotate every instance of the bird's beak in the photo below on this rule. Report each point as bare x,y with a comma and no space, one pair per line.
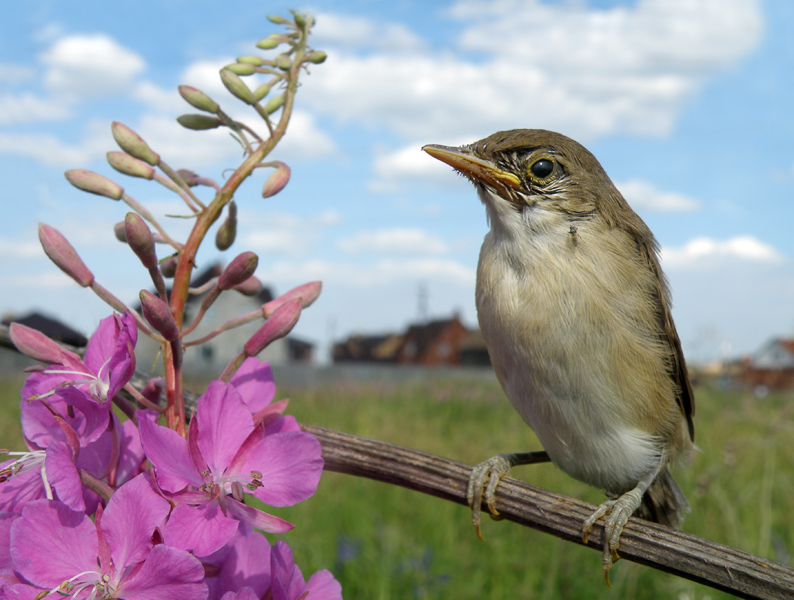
477,169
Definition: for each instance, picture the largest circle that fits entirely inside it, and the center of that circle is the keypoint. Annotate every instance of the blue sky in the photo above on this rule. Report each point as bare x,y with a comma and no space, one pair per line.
687,104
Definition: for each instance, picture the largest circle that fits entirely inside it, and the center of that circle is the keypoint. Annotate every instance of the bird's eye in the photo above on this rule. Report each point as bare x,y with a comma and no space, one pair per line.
542,168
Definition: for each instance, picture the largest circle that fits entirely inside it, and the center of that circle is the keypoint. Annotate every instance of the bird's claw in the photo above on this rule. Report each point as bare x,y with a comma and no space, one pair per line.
482,487
618,510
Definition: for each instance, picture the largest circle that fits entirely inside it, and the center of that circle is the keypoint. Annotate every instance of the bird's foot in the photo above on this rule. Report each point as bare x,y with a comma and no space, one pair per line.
618,510
485,477
482,486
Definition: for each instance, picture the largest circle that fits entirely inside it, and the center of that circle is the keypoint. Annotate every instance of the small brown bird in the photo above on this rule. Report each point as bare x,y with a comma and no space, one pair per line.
575,311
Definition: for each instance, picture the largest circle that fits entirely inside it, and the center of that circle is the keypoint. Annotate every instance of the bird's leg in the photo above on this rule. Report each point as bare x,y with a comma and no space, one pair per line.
493,470
619,510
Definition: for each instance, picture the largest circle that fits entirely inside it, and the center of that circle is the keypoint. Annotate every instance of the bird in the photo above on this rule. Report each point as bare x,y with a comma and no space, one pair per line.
576,315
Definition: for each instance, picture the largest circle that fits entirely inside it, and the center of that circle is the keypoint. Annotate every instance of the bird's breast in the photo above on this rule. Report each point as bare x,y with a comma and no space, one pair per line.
567,317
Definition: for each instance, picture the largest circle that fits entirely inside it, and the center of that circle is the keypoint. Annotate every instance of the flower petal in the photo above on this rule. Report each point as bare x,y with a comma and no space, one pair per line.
51,543
223,425
290,464
168,452
129,521
63,476
166,573
254,381
201,529
257,518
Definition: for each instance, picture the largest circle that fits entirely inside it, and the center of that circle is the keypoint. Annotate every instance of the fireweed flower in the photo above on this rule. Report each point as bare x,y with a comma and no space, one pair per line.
64,553
108,364
254,381
287,582
226,455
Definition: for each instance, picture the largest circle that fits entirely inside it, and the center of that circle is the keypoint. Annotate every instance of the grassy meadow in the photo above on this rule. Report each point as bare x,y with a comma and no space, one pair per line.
384,542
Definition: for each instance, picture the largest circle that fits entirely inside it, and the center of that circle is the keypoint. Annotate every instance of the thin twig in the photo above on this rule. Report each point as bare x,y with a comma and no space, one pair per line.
701,560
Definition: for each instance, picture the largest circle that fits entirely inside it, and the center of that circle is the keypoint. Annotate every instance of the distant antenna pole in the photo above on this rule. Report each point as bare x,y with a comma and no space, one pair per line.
422,303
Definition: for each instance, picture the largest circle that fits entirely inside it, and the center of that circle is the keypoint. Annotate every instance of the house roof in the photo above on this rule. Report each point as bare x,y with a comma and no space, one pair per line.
52,328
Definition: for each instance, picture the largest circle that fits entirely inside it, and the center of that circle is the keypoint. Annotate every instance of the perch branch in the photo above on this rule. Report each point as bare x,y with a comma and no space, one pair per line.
701,560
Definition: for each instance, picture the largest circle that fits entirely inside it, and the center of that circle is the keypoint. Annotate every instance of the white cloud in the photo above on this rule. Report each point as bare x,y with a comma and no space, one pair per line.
641,195
358,32
708,252
27,107
408,162
393,241
80,66
50,150
587,72
12,73
280,234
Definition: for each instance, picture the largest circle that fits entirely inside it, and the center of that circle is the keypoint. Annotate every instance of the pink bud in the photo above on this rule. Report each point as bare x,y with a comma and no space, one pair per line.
140,239
306,294
158,313
133,144
120,231
277,180
237,271
276,327
36,345
88,181
250,287
61,252
124,163
168,267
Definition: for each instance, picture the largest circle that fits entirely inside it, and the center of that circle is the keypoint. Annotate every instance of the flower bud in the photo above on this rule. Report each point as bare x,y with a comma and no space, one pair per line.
283,62
198,122
317,57
262,91
88,181
236,86
241,68
251,59
270,42
124,163
140,239
237,271
198,99
61,252
227,232
276,181
168,266
274,104
159,316
133,144
303,20
250,287
188,176
306,294
277,19
276,327
120,231
36,345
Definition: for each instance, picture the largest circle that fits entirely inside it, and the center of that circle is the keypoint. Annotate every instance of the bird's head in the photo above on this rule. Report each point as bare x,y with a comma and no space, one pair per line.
524,174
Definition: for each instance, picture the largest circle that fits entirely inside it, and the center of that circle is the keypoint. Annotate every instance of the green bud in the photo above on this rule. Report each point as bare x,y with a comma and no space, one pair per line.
270,42
198,122
262,91
124,163
199,99
251,59
303,20
283,62
226,233
277,19
133,144
317,57
237,87
241,68
168,266
88,181
274,104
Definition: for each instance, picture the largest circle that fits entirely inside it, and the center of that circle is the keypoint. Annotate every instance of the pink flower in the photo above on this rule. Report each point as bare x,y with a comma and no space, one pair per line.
226,456
62,551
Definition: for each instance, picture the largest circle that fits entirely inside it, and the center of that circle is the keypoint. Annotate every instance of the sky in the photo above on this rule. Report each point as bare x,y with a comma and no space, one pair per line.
686,103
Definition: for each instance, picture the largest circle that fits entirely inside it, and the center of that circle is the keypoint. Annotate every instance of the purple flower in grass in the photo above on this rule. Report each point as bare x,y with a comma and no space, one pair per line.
226,456
62,552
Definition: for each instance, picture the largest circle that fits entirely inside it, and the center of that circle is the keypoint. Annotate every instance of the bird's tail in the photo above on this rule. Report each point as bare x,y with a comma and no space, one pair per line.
664,502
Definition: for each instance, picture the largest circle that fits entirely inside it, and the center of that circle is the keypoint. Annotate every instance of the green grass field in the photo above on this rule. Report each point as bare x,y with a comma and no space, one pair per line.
384,542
